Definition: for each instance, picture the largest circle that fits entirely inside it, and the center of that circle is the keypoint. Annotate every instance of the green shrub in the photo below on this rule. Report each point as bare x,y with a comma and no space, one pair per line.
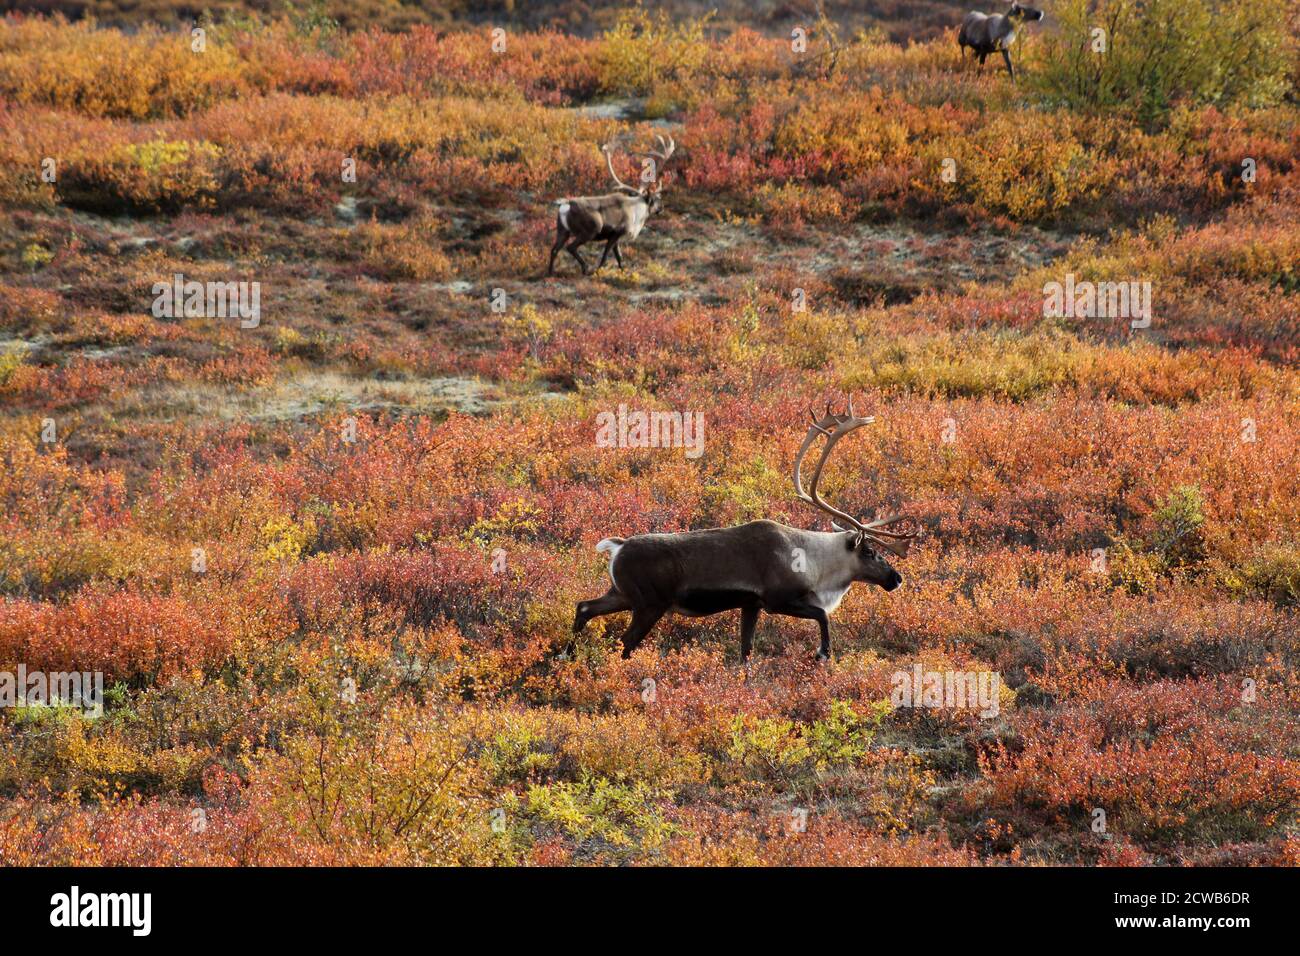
1158,53
1176,544
782,750
601,815
1178,537
1274,572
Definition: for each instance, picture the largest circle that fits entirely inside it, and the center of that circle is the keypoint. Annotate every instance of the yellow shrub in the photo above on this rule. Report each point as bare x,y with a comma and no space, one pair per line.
159,175
643,50
1025,165
1273,572
11,362
107,73
628,747
844,136
406,251
793,205
394,786
78,754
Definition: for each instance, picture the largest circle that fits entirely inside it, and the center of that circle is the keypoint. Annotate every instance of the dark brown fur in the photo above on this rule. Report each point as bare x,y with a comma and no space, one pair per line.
611,217
986,34
752,567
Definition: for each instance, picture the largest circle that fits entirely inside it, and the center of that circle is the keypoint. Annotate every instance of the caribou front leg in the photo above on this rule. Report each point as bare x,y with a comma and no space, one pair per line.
611,602
812,612
748,621
573,251
611,244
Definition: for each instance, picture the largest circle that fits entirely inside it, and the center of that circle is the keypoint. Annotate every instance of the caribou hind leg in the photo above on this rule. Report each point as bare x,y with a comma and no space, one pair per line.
572,249
643,620
611,602
561,237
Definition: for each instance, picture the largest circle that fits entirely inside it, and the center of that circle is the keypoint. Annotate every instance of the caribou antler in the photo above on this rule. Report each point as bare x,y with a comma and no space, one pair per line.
833,427
665,150
607,149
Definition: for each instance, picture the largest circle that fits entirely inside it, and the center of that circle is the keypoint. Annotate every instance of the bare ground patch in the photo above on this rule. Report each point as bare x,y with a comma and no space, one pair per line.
312,393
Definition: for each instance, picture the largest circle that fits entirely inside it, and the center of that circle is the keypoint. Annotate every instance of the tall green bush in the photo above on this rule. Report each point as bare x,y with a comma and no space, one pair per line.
1145,56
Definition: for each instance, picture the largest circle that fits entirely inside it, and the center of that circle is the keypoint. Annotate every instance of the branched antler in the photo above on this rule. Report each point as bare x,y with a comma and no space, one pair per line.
665,150
881,531
608,150
662,154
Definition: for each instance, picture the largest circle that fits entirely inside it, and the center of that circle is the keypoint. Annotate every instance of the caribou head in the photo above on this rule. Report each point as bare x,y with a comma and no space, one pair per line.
894,533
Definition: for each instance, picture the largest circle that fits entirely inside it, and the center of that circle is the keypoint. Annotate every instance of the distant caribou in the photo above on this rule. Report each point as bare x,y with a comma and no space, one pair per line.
759,566
986,34
612,217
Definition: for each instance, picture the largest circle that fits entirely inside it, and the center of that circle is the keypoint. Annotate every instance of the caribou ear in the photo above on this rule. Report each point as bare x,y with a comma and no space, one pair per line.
852,542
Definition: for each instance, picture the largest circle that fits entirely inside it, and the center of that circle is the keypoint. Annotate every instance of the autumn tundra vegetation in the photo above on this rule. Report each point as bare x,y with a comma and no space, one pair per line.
325,553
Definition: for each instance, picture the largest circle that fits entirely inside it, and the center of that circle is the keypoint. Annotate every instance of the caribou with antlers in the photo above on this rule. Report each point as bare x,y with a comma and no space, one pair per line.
986,34
614,216
759,566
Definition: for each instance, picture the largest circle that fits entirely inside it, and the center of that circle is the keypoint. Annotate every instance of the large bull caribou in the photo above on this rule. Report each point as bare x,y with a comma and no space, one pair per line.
759,566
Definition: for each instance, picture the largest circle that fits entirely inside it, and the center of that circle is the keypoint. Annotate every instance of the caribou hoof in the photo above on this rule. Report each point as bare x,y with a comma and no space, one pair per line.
821,657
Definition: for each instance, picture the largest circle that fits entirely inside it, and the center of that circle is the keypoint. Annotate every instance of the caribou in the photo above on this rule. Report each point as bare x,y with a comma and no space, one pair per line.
614,216
759,566
986,34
